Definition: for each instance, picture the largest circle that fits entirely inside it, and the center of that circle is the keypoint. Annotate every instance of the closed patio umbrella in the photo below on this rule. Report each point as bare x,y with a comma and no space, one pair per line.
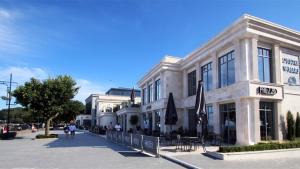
171,114
132,96
200,107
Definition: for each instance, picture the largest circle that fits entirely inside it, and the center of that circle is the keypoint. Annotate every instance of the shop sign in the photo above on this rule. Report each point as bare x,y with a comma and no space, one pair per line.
290,68
266,91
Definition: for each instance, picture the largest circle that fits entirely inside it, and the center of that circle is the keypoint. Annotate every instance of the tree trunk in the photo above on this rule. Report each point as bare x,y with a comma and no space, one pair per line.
48,121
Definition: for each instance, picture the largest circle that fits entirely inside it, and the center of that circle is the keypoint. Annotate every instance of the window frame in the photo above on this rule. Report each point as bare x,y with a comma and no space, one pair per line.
192,87
205,69
263,64
222,62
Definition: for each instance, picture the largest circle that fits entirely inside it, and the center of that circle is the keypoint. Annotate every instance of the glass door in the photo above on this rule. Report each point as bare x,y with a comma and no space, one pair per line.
192,122
266,120
228,122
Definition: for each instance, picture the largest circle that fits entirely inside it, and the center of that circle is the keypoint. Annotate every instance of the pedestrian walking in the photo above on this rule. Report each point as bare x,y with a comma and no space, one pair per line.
72,129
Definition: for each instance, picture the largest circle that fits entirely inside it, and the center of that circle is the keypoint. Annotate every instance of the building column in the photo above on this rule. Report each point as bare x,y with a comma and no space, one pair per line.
277,65
216,118
238,61
247,121
162,89
242,122
185,119
215,69
255,118
198,72
162,121
184,83
254,59
279,127
243,56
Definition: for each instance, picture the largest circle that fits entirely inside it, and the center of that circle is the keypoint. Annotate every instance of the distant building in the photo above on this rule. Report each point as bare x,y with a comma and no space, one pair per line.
104,107
84,120
90,107
122,92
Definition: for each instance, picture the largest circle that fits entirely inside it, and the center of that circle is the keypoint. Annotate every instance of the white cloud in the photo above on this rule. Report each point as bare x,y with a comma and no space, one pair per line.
5,14
23,74
19,75
87,88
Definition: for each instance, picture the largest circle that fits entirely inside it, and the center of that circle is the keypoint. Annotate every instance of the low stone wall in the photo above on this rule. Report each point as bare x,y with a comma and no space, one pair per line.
268,154
148,144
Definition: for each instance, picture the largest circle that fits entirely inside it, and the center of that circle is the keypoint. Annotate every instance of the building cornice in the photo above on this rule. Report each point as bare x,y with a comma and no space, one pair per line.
161,66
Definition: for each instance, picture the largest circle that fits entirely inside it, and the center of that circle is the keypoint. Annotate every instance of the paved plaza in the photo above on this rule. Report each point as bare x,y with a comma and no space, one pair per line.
85,151
204,162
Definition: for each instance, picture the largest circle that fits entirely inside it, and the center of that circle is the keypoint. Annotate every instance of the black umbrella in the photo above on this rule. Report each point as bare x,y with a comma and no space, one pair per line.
201,109
171,114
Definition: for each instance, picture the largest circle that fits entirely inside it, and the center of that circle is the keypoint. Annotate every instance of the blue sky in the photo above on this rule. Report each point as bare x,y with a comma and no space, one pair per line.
113,43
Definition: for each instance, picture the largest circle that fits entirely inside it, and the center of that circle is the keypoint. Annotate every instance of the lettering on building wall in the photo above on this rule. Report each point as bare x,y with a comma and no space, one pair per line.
266,91
290,68
148,107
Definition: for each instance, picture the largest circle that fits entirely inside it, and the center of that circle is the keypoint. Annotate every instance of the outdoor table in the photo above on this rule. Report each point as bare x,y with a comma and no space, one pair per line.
191,141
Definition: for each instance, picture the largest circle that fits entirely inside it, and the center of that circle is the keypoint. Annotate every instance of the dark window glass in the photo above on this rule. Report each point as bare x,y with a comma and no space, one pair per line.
144,96
192,83
157,121
207,76
264,65
226,69
157,89
150,93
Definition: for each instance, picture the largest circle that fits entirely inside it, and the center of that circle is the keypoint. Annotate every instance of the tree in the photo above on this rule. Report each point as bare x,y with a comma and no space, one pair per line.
298,125
17,115
70,110
47,97
290,126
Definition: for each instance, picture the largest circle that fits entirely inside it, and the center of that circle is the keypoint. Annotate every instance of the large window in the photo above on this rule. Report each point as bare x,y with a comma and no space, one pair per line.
210,117
157,120
207,76
144,96
264,65
192,83
157,90
226,69
228,119
150,93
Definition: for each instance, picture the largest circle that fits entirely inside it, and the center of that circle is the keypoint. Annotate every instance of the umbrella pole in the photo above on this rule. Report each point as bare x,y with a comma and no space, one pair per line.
171,134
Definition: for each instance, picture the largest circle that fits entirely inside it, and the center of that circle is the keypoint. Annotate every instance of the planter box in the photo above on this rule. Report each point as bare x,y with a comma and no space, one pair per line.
253,155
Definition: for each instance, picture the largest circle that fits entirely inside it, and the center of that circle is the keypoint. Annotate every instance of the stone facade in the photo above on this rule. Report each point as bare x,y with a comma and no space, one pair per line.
257,108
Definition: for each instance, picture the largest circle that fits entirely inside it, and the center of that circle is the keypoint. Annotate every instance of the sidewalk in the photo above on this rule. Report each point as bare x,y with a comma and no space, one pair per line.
199,160
183,157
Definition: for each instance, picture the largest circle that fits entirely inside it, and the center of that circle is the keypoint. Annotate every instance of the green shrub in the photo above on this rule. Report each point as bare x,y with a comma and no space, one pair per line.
42,136
298,125
290,126
260,147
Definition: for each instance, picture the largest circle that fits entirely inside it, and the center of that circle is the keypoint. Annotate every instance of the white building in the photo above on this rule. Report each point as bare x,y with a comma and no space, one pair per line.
251,77
106,105
84,120
90,107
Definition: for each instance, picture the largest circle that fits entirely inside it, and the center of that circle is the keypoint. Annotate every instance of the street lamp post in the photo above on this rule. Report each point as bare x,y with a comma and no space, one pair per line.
8,99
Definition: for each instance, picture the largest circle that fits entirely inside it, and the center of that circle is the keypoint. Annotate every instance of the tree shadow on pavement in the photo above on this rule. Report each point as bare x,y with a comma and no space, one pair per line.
82,139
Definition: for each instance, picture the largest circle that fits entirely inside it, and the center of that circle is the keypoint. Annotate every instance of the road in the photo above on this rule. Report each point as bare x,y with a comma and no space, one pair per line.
84,151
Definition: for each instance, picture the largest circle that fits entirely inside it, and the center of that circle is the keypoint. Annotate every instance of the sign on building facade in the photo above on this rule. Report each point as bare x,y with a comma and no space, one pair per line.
290,68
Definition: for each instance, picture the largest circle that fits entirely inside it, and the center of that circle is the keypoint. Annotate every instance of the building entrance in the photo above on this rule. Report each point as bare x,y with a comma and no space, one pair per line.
228,119
266,111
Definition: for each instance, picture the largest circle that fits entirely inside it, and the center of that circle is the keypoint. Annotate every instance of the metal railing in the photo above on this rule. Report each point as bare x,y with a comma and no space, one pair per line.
148,144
